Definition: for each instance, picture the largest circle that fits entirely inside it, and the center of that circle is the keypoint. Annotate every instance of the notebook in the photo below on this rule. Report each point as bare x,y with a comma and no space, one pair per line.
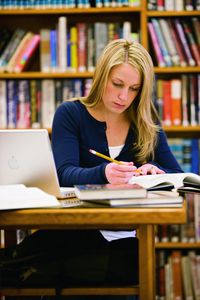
26,158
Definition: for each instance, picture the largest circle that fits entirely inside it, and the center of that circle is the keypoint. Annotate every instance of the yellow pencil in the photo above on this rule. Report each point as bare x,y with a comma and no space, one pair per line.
105,157
110,159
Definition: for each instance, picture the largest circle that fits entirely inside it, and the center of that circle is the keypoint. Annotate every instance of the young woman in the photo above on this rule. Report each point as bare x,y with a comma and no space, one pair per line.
118,119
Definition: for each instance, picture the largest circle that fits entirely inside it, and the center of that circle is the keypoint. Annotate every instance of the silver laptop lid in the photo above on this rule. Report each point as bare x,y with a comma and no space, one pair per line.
26,157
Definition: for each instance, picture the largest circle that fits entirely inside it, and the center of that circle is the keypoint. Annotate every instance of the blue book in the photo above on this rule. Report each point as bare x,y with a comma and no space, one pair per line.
69,63
12,103
78,88
53,49
195,163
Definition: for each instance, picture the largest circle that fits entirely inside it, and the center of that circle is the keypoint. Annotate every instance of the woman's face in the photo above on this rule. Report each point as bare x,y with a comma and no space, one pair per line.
122,87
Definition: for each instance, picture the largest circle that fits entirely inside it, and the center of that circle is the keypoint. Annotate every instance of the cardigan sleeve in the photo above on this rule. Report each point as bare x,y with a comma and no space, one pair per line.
66,139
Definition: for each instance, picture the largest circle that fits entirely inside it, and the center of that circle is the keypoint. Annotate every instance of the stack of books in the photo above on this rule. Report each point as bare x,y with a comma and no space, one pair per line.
126,195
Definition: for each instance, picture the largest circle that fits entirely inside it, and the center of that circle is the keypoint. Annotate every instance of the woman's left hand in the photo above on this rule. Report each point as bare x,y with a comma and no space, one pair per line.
149,169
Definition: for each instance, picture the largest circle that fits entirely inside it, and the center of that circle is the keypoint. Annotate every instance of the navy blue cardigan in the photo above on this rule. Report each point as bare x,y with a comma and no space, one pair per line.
75,131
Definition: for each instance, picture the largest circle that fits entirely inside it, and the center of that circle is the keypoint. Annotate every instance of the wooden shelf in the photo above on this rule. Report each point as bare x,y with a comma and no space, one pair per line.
129,290
64,11
183,13
41,75
182,129
179,245
181,70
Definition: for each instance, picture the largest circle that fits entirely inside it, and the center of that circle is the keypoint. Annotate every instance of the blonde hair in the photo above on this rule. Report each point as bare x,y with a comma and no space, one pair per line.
142,112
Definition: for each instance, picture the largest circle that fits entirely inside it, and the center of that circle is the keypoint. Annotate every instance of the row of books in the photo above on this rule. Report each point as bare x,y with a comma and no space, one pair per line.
178,100
32,103
173,5
83,46
177,275
62,49
184,233
187,153
17,49
173,111
175,41
46,4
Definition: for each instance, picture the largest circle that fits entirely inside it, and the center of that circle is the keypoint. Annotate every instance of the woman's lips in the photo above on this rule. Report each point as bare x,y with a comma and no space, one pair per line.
118,105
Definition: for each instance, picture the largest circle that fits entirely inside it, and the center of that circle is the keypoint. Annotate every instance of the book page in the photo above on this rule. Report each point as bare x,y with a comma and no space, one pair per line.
22,197
148,181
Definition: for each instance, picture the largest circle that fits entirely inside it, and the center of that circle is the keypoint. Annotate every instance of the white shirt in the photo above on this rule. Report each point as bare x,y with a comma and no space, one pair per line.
115,235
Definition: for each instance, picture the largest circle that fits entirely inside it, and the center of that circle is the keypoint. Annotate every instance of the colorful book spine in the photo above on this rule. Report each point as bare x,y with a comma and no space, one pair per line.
48,102
11,47
23,119
90,48
45,59
181,58
74,48
176,101
82,49
12,102
62,44
184,42
53,50
28,53
3,106
177,276
192,43
169,40
18,53
155,44
167,103
162,42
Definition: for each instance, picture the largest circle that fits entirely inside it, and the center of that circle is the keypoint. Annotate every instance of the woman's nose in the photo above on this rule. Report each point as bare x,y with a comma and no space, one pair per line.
123,94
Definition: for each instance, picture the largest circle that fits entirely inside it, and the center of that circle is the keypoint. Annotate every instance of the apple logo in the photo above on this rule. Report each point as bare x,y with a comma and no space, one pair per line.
13,163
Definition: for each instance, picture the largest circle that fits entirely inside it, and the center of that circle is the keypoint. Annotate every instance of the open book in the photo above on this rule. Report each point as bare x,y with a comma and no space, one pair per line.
182,182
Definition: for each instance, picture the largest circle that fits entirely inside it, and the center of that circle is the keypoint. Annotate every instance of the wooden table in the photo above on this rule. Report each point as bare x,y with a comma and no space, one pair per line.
143,219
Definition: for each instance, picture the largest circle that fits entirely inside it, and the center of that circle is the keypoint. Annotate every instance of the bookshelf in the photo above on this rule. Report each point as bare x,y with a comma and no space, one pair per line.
25,19
139,16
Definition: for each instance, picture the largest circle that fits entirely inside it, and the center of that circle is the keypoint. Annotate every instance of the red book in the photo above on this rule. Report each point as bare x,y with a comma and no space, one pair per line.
185,89
181,54
167,103
161,274
156,47
82,43
176,101
27,54
184,42
177,275
192,43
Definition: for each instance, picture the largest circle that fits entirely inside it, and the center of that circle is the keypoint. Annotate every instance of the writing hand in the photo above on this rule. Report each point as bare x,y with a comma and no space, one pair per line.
119,173
149,169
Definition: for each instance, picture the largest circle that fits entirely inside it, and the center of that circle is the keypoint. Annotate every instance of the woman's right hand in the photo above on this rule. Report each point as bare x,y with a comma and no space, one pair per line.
119,173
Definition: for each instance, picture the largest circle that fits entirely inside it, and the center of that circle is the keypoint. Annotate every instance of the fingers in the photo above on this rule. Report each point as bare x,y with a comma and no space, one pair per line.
122,173
150,169
119,173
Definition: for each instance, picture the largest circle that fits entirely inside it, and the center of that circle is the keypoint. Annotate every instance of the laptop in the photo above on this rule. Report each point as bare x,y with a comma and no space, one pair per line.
26,158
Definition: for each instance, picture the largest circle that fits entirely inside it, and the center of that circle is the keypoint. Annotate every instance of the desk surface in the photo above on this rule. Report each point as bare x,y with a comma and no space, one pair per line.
91,217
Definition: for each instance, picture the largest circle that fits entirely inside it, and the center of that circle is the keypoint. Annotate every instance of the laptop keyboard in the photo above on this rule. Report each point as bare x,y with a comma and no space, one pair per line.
70,202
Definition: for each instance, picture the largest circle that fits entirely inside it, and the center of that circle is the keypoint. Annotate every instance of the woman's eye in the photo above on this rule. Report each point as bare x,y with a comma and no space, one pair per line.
134,89
117,84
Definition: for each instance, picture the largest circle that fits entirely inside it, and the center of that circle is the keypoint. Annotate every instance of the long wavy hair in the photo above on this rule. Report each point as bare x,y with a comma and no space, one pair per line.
141,112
